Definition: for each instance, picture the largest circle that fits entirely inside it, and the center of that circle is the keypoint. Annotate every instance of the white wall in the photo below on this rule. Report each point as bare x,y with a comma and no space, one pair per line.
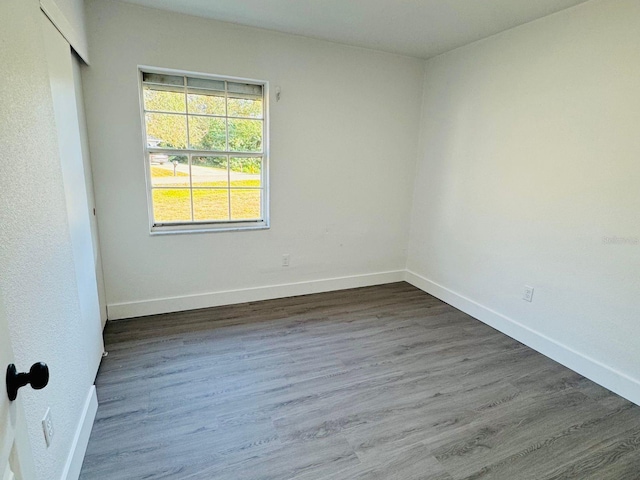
37,279
530,157
343,149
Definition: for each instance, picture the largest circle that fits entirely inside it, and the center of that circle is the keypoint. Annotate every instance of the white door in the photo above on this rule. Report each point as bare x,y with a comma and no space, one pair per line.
63,92
15,453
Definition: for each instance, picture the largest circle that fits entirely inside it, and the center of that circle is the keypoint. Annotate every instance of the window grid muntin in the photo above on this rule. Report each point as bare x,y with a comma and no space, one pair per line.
189,152
208,115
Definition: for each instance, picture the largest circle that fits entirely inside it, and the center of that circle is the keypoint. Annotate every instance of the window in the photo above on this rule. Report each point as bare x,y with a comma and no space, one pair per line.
205,151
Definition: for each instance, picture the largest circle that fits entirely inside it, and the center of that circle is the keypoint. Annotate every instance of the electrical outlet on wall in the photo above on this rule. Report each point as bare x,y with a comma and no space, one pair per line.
47,427
285,260
527,293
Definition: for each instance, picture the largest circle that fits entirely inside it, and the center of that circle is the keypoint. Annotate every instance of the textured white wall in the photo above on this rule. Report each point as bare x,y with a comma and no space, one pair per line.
343,149
37,279
530,161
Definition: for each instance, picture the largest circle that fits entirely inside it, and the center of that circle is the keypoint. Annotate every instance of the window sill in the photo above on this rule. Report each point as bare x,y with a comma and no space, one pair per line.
207,228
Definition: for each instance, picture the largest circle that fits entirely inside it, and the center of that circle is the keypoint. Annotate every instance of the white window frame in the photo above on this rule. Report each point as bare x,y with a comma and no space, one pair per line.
207,226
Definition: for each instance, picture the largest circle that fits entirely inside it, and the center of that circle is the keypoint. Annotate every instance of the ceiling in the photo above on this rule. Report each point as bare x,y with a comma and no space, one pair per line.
420,28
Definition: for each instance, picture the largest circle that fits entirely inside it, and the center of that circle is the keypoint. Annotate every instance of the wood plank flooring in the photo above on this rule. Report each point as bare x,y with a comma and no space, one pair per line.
382,382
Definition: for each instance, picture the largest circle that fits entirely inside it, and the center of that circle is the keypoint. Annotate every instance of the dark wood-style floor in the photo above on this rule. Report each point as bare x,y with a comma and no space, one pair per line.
382,382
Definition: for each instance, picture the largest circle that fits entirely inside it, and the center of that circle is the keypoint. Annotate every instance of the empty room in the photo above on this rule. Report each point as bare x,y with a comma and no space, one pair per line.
320,240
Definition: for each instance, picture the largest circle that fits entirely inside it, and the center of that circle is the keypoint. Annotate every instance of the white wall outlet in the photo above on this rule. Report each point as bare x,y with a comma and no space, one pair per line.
285,260
527,293
47,427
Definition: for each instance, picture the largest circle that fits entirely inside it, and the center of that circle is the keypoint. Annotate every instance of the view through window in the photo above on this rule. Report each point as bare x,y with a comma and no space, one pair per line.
205,141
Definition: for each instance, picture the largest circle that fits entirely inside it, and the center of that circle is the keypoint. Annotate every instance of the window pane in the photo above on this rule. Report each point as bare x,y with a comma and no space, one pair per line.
245,107
207,133
206,104
209,172
210,204
206,83
166,130
163,100
245,135
169,170
245,88
246,172
205,139
245,204
163,79
171,205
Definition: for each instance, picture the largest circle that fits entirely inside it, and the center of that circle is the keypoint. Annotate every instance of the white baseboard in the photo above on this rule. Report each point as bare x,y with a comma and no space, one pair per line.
81,439
230,297
616,381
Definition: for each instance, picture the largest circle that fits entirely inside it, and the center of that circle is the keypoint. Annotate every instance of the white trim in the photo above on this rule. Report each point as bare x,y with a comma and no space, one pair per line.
71,35
81,439
208,227
230,297
608,377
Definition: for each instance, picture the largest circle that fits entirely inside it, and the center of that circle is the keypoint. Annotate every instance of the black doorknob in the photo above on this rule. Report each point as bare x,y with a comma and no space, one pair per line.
38,377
